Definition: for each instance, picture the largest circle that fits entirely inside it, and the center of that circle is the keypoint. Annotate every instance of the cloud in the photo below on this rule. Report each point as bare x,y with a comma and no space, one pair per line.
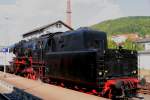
26,15
95,11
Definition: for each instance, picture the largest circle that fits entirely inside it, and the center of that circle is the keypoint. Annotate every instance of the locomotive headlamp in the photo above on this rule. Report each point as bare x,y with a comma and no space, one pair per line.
106,71
134,72
131,52
100,73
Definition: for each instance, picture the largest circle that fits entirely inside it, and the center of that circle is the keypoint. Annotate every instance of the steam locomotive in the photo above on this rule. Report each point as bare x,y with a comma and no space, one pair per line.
78,59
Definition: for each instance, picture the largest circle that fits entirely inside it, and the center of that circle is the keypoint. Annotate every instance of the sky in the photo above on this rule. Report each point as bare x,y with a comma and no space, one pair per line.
20,16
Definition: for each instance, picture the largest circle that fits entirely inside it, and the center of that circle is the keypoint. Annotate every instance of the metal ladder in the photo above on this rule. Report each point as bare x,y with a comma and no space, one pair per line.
100,62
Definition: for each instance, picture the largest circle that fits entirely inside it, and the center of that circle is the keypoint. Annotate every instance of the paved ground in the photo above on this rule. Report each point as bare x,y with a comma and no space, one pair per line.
39,88
46,91
3,90
142,97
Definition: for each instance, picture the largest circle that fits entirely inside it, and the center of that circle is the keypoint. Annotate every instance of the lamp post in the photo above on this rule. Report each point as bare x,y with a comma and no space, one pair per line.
7,26
5,50
4,62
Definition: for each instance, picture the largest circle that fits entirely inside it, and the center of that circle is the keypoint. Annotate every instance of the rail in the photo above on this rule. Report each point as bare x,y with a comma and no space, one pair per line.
145,89
4,97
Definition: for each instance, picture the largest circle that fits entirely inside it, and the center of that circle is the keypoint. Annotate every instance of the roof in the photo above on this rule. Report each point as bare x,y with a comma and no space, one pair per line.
145,40
130,36
35,31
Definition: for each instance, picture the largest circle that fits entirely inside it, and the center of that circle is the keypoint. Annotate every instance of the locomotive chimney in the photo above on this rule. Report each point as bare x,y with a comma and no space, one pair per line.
69,13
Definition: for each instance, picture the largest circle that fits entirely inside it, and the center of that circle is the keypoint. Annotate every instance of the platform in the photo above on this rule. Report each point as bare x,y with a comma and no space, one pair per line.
44,91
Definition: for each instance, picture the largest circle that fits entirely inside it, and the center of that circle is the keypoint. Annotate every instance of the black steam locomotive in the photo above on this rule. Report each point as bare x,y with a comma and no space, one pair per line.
80,60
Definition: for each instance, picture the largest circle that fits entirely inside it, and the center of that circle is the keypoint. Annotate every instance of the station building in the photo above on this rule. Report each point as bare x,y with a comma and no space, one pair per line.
144,55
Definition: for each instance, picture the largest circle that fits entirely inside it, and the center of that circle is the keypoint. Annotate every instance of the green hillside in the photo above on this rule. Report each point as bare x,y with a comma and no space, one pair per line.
138,24
134,24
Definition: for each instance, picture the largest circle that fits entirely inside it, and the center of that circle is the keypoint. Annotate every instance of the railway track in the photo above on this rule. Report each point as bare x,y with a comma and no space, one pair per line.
3,97
9,97
144,89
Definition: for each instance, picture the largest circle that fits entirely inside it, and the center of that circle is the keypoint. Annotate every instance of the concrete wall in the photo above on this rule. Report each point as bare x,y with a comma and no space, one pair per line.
147,46
144,59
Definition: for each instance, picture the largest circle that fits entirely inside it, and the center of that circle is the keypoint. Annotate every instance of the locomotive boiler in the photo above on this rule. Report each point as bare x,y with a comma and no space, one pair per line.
79,60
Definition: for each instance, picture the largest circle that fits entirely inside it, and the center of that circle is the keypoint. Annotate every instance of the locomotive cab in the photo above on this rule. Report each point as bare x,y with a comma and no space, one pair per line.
95,40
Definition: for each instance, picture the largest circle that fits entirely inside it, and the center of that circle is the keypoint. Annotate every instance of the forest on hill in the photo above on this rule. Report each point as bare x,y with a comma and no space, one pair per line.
137,24
134,24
